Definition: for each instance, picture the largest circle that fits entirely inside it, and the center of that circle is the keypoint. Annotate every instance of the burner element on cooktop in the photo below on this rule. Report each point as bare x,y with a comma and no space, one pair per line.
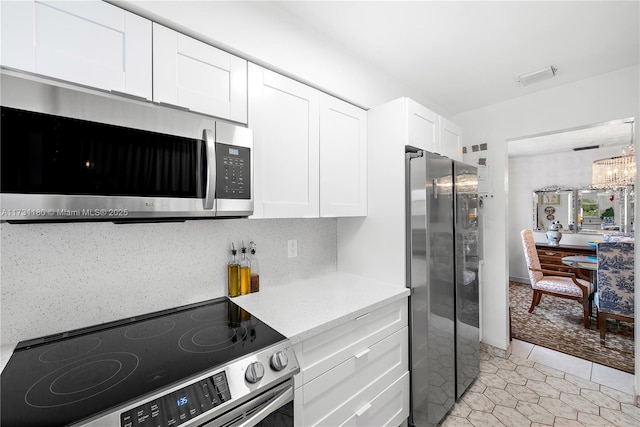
209,337
68,350
81,379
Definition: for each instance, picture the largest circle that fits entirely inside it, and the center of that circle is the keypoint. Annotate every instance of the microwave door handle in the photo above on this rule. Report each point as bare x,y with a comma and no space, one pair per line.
210,189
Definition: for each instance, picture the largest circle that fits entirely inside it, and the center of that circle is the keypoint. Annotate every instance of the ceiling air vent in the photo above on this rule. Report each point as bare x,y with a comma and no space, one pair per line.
590,147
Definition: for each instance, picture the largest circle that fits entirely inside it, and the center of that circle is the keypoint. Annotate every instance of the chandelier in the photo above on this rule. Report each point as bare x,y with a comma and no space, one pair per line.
615,172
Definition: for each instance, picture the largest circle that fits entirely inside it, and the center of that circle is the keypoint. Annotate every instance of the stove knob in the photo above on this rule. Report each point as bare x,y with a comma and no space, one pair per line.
279,361
254,372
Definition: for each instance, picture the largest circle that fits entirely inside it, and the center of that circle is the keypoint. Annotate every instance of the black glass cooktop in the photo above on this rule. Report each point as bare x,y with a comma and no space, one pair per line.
59,380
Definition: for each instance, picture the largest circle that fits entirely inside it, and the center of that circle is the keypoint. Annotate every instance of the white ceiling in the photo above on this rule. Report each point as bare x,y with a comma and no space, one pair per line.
465,55
616,133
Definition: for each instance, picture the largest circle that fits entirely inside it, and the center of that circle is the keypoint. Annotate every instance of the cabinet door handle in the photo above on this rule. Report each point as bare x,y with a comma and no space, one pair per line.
362,410
362,353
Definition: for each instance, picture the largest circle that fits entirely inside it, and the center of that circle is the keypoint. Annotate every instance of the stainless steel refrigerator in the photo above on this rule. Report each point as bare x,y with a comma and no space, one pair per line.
442,272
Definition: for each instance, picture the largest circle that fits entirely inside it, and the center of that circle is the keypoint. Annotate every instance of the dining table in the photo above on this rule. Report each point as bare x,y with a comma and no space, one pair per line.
586,262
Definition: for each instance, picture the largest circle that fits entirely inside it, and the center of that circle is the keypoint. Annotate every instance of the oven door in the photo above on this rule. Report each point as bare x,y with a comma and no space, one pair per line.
273,408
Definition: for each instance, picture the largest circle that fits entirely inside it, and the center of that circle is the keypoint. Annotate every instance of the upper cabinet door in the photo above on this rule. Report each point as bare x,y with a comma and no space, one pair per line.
450,139
343,158
423,127
284,116
89,42
194,75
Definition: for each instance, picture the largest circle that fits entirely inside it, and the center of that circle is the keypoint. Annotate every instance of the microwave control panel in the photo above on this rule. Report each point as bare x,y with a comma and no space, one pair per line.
233,166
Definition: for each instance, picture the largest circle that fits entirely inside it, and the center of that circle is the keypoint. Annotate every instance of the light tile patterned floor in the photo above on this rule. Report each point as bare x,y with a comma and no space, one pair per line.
522,391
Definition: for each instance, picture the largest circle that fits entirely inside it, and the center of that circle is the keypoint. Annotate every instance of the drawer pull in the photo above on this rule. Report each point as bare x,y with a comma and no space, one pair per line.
363,316
362,410
362,353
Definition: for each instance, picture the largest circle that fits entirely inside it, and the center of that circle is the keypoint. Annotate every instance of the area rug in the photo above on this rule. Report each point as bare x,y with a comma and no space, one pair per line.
557,323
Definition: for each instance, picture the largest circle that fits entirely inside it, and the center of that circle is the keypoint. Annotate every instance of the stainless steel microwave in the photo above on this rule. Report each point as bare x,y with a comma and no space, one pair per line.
70,154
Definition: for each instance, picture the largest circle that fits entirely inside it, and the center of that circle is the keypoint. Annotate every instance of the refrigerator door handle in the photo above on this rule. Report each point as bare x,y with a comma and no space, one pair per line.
435,188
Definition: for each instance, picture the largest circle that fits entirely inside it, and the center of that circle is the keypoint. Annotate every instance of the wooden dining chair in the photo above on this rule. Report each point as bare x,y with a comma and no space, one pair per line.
555,283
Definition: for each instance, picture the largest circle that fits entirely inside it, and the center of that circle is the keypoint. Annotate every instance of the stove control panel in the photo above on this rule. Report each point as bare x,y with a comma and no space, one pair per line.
180,406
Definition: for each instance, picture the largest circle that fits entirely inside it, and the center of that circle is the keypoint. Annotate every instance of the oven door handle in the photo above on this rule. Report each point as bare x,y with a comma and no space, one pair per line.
280,399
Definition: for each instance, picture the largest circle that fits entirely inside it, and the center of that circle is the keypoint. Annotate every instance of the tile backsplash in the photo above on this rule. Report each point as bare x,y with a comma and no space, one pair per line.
57,277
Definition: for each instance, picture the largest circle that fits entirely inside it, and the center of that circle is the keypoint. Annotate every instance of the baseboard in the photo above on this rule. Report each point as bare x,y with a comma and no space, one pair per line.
520,280
495,351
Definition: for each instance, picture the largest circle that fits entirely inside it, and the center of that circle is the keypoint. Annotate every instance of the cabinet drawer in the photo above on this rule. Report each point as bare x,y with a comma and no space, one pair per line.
544,259
550,253
337,394
389,408
328,349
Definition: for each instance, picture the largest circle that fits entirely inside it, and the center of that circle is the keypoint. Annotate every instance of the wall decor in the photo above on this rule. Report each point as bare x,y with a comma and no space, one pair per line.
550,199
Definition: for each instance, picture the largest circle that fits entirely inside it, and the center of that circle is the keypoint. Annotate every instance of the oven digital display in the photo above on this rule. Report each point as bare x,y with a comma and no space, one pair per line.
234,151
181,405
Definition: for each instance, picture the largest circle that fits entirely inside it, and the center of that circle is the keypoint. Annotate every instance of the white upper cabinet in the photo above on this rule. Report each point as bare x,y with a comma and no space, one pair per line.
450,139
423,127
428,131
91,43
310,150
343,158
194,75
284,115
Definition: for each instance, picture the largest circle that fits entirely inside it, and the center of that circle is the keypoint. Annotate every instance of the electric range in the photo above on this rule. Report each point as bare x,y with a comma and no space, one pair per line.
196,364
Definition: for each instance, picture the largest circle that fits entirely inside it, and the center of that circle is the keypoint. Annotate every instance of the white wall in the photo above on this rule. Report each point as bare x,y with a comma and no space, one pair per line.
569,169
602,98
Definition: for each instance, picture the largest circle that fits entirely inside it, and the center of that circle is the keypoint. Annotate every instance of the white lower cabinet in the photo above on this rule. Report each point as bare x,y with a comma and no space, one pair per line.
389,408
356,373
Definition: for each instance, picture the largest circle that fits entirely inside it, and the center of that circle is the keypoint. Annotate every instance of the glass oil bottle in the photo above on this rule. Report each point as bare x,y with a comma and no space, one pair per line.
233,274
255,271
245,272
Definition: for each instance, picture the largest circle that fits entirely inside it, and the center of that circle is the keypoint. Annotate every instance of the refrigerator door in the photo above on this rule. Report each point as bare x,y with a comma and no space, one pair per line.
467,280
431,278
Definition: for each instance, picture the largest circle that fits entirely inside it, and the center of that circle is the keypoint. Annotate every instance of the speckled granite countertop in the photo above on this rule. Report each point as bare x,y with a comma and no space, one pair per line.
304,308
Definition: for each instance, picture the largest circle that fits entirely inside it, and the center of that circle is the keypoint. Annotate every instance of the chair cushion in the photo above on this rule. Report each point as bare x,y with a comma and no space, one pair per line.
561,285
